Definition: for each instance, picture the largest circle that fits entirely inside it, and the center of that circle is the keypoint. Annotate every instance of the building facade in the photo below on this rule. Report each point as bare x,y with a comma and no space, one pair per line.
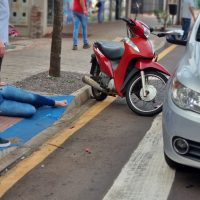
34,18
29,16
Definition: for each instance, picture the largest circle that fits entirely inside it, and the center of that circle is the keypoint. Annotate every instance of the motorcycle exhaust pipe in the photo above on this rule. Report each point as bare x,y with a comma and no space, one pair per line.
86,79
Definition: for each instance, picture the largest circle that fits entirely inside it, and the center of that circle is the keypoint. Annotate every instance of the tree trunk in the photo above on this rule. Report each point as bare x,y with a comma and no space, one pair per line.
127,8
56,44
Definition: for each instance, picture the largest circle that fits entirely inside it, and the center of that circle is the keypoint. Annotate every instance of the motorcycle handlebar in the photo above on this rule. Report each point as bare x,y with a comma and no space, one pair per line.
130,22
151,29
161,34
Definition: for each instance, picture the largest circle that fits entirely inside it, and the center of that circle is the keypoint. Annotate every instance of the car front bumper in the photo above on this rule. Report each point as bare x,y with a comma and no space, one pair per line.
185,124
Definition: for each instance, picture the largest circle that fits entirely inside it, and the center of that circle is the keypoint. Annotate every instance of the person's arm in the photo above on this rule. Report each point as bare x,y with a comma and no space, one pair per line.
82,2
2,52
2,49
191,8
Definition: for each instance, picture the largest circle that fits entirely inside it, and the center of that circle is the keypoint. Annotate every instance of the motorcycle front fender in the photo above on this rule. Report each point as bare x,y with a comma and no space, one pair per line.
130,75
149,64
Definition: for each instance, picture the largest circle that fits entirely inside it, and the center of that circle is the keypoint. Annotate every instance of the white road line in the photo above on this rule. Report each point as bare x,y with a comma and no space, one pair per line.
145,175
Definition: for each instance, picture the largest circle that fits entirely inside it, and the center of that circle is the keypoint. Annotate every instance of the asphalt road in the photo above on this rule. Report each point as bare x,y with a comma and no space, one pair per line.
116,155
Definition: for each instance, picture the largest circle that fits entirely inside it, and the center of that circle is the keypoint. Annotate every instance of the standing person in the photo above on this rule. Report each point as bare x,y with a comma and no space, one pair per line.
80,15
4,22
100,6
187,15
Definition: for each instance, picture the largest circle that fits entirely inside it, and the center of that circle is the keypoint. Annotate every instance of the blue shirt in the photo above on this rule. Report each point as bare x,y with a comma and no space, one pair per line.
4,20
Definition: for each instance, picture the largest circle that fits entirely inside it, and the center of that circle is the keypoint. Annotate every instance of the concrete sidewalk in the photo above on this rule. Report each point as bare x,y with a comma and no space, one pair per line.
32,56
27,57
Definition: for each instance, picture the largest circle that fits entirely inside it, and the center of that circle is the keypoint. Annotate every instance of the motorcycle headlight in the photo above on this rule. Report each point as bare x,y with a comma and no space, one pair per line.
185,97
146,31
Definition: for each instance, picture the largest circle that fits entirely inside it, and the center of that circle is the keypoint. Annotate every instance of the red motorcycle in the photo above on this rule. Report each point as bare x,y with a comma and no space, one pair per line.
130,71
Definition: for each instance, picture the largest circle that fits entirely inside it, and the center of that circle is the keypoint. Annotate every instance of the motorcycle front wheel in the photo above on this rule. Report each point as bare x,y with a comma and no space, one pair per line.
155,88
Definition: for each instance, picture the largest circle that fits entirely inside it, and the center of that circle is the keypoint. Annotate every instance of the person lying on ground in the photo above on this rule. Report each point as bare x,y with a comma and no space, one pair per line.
17,102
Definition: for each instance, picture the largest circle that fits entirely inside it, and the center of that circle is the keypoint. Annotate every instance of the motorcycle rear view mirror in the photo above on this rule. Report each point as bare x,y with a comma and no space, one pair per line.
175,32
175,37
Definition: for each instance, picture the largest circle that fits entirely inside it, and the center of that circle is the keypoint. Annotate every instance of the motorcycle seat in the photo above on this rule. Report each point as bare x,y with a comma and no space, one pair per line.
112,50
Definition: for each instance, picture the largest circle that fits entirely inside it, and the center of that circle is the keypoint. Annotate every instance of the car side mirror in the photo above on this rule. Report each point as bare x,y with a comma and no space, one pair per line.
174,39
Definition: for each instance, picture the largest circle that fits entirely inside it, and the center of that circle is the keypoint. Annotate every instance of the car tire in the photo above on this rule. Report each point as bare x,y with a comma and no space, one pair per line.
172,164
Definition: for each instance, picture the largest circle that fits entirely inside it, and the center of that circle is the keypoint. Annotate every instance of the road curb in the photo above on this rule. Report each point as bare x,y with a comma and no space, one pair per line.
81,96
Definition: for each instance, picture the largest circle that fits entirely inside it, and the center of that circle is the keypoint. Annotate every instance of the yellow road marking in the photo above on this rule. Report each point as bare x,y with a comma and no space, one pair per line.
23,167
166,51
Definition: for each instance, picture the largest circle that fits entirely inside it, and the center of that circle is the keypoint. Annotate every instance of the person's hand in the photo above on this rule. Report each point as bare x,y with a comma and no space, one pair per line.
86,12
2,49
3,84
61,103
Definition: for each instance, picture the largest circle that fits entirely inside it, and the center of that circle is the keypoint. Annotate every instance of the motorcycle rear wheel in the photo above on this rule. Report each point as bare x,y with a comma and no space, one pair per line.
152,103
98,95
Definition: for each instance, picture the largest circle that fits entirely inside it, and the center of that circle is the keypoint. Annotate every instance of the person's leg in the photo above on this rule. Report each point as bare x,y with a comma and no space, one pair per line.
1,83
1,59
102,11
84,21
76,28
99,15
185,27
16,109
16,94
3,142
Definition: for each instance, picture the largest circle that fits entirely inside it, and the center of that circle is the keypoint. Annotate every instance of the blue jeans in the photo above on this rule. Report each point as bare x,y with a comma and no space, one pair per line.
21,103
186,27
80,18
101,12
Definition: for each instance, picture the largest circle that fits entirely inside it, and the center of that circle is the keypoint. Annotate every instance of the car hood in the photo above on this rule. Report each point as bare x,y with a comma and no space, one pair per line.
188,72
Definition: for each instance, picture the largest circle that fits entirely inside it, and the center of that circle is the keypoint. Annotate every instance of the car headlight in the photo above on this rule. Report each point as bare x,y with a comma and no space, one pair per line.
185,97
146,31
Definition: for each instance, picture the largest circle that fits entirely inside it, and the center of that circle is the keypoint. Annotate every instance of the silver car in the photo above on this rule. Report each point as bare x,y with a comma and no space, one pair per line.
181,110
